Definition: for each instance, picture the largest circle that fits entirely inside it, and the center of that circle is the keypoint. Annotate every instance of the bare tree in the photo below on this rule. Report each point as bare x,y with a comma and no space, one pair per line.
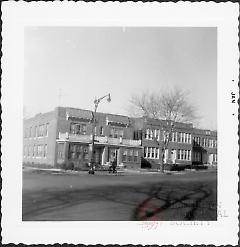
172,106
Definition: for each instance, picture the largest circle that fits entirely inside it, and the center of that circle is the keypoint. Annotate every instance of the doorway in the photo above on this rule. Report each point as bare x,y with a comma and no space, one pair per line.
173,156
112,154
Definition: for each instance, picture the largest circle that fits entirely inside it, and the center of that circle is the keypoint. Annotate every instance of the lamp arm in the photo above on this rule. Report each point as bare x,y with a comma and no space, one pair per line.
102,97
97,101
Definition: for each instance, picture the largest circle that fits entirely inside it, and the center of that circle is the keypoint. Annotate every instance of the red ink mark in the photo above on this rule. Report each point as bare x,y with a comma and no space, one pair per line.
148,211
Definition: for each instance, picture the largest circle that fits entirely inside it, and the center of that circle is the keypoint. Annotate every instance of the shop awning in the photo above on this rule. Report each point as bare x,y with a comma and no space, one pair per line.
116,119
78,114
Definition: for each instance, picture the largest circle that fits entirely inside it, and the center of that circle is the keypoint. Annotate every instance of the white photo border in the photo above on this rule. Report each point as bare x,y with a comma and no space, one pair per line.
16,16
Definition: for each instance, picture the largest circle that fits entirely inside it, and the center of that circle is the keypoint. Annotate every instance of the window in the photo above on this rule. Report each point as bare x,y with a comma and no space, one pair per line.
130,155
124,155
164,136
157,153
149,152
155,133
145,151
72,128
78,152
60,150
181,137
214,157
85,153
116,133
184,137
41,130
72,149
179,154
146,133
34,150
40,150
78,129
111,132
135,155
174,136
215,143
83,129
46,131
45,151
101,130
211,143
153,153
151,134
189,138
184,154
30,132
158,135
120,133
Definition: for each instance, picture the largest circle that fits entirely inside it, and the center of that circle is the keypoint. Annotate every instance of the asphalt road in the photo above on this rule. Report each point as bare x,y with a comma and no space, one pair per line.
54,196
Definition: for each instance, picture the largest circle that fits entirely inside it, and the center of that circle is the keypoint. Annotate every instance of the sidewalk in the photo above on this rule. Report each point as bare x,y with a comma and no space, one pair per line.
123,172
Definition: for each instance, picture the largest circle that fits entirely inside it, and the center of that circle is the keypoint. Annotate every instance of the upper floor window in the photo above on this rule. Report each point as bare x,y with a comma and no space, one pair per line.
150,134
214,143
116,133
174,136
46,130
101,130
77,128
41,130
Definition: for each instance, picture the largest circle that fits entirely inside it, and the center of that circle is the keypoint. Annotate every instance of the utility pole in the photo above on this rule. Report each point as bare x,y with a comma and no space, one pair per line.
96,103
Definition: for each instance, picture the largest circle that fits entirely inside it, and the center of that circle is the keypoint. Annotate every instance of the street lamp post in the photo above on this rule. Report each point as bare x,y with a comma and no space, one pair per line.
96,103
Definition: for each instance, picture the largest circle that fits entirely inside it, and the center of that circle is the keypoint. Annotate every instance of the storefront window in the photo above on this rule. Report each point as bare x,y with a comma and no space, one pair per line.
124,157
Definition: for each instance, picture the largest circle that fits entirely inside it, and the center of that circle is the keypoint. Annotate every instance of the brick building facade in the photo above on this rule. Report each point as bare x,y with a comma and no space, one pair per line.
67,135
64,135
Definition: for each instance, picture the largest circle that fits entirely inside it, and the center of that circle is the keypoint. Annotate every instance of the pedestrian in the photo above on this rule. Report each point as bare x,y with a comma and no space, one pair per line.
114,165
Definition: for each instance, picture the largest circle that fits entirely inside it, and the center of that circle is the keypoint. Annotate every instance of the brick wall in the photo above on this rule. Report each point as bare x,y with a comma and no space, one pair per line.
37,141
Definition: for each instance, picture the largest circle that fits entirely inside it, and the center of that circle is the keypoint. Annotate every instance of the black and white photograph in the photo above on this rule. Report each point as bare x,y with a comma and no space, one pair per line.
122,124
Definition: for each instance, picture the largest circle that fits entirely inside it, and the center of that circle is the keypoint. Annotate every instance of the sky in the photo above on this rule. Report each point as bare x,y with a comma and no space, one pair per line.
71,66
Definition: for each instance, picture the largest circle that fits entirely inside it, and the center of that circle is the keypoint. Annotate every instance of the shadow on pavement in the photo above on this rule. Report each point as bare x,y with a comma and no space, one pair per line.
148,201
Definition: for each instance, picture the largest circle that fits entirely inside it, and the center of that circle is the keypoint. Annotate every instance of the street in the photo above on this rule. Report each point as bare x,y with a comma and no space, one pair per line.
58,196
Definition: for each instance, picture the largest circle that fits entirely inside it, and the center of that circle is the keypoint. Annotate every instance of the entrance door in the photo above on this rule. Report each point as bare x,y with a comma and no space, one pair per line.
113,153
210,159
97,155
173,155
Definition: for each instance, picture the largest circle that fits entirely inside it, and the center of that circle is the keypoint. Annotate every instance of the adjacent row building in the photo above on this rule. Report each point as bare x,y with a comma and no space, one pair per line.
64,136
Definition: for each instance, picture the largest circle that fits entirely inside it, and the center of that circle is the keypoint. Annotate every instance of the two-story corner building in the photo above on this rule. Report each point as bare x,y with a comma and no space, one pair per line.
64,136
69,137
204,147
151,132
